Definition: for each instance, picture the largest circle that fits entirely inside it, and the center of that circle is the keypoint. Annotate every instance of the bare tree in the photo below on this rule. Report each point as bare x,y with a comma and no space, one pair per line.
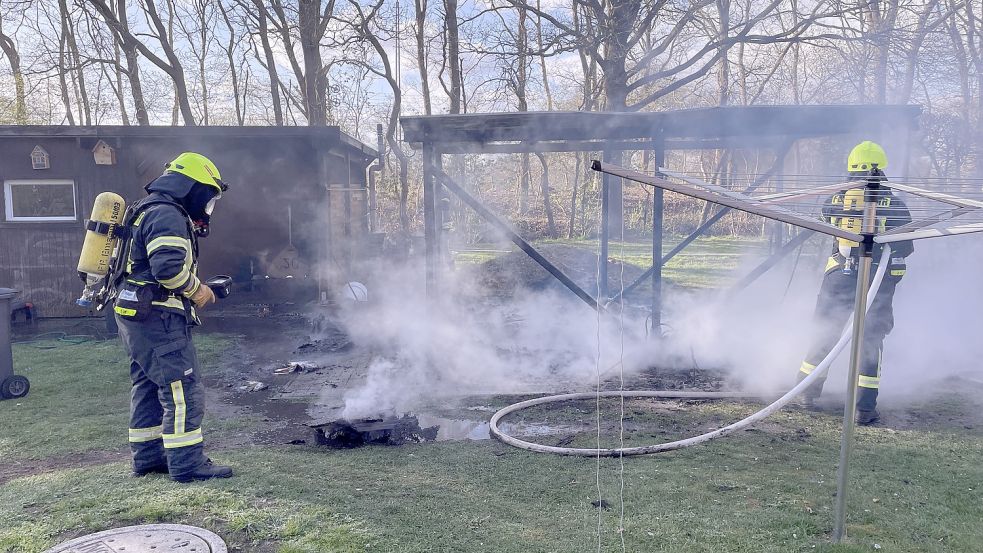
258,16
231,44
195,21
132,64
421,53
9,48
172,66
364,23
452,56
303,26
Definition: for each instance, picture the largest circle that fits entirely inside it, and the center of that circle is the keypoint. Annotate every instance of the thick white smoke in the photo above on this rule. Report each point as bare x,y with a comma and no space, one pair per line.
428,352
757,335
938,314
761,335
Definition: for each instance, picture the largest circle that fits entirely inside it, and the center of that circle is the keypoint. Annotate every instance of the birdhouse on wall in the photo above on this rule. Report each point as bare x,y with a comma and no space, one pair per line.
39,158
104,154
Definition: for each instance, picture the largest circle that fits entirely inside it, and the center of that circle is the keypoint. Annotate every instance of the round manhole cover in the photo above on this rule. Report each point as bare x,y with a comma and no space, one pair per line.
150,538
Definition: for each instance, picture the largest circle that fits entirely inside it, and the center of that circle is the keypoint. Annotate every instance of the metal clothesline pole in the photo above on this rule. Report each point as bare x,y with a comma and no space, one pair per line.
856,358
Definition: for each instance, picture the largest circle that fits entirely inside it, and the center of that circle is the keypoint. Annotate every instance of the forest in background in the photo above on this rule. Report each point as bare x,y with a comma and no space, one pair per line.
358,64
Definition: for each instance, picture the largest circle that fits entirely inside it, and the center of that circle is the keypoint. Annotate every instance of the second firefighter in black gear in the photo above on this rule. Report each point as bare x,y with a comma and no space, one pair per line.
834,305
155,309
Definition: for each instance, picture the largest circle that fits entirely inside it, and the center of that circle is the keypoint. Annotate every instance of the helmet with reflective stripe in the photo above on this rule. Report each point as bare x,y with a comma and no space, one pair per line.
199,168
865,156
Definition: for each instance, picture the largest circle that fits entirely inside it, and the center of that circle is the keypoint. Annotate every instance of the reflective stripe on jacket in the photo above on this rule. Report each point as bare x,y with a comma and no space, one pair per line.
164,250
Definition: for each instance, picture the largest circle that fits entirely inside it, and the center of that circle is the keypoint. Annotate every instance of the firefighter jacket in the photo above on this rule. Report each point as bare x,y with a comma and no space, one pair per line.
845,210
161,264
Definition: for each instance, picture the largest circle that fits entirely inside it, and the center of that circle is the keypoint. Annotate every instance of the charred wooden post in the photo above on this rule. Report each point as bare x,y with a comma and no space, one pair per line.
658,212
430,227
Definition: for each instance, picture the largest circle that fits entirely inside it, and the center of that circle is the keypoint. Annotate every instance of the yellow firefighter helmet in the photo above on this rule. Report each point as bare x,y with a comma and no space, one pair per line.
199,168
864,156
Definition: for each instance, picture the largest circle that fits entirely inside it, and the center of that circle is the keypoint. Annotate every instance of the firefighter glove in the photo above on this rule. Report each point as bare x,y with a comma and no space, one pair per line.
203,296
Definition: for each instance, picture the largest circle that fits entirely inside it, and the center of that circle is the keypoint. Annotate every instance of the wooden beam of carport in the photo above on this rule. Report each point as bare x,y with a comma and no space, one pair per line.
568,146
696,123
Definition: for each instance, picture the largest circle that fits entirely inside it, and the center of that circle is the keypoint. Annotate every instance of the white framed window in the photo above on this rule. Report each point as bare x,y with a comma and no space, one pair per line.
35,200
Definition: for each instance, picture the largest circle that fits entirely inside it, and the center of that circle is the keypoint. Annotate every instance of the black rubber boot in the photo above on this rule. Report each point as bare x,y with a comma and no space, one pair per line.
807,402
156,469
207,471
867,418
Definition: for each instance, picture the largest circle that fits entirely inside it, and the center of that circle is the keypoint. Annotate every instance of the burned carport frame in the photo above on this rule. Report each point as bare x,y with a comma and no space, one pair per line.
768,127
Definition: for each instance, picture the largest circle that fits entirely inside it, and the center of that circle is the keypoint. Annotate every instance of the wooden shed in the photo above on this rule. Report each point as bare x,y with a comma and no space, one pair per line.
297,206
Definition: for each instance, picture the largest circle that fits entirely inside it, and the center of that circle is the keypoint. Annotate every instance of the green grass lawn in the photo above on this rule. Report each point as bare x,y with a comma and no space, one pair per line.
765,490
707,262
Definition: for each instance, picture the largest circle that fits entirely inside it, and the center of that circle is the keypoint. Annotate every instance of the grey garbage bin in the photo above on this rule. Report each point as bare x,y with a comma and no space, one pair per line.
12,386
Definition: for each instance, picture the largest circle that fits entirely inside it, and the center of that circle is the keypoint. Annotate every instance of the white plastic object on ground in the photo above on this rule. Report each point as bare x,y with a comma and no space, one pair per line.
354,291
817,373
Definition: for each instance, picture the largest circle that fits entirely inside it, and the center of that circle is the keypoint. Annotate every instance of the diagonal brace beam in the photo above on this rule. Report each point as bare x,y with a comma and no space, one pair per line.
767,264
699,230
514,236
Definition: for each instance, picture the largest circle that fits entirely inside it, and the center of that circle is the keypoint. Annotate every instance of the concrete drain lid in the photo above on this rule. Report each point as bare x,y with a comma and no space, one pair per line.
150,538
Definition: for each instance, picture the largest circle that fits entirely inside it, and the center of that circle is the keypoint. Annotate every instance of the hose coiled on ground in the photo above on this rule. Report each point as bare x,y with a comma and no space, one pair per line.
817,373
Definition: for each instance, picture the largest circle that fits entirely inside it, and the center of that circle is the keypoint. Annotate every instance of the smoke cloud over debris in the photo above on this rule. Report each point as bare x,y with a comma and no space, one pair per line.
938,314
546,341
461,344
760,336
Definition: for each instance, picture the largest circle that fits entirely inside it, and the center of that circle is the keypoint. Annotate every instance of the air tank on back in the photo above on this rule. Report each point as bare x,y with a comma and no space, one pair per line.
100,243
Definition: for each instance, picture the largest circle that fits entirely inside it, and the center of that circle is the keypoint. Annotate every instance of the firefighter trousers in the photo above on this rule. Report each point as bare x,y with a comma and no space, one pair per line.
833,308
166,401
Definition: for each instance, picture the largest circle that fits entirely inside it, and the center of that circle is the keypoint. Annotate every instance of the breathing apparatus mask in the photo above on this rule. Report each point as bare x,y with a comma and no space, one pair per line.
200,203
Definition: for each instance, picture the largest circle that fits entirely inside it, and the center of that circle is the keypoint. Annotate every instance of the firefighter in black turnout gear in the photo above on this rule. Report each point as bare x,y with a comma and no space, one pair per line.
838,291
158,292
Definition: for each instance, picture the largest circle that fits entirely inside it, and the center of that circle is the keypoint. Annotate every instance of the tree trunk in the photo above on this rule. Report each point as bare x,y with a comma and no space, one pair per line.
542,58
20,95
520,84
573,197
201,10
66,99
723,75
544,185
524,177
173,66
132,66
118,89
77,73
421,54
309,17
913,49
453,47
233,72
264,39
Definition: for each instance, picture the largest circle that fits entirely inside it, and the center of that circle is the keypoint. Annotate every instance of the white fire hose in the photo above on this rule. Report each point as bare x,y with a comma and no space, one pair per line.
817,373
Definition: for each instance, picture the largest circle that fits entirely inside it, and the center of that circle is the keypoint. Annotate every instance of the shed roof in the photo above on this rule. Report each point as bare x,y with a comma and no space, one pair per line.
326,137
689,128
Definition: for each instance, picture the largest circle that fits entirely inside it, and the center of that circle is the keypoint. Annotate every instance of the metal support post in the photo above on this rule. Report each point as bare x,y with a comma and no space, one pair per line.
856,358
658,212
693,235
906,152
604,233
377,168
350,250
430,233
